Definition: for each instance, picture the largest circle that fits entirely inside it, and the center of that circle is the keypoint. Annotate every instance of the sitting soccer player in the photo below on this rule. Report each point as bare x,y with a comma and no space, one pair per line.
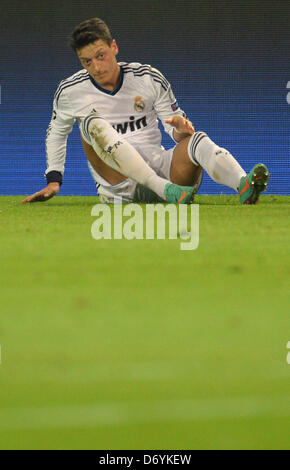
117,107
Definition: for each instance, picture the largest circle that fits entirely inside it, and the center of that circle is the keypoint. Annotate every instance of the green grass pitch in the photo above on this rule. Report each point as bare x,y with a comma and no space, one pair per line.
119,344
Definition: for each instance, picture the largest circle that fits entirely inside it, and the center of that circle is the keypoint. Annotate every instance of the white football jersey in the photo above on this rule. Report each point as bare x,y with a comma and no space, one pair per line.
142,96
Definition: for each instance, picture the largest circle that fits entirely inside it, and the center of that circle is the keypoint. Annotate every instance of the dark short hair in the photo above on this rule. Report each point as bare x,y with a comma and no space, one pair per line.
89,31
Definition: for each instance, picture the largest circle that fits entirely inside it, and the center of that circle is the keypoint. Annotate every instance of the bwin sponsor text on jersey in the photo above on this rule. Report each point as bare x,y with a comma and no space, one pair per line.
131,125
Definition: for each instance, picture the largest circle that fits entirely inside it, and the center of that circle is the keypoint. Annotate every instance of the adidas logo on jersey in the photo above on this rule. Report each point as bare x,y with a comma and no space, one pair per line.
131,125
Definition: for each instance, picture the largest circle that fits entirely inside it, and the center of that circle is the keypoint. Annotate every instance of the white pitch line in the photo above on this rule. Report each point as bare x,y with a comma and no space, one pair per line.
114,413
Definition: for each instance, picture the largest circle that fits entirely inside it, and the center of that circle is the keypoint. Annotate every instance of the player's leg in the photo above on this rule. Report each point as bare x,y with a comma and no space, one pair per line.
183,170
221,166
122,157
113,187
106,172
198,151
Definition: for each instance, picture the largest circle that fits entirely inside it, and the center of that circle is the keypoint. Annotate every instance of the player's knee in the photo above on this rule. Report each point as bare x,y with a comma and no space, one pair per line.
183,144
84,128
86,123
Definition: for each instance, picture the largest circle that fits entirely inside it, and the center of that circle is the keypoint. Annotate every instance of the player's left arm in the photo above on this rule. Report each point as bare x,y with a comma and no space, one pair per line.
173,118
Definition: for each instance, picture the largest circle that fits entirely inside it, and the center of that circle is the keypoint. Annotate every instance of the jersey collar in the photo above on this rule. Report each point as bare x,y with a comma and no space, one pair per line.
109,92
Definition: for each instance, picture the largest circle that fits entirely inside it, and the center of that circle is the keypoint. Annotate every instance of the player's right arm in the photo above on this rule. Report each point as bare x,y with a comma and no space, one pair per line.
60,127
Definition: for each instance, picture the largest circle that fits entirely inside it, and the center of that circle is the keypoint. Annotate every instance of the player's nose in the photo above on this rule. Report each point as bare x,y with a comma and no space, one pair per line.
95,65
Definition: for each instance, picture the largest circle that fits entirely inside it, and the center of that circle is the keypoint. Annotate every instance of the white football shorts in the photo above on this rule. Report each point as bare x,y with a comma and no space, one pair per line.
128,190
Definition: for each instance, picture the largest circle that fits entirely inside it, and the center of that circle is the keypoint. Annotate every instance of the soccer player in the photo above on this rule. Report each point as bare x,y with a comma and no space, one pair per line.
117,106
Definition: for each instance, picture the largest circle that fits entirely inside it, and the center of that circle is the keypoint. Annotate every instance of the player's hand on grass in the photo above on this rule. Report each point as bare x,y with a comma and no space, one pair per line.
181,125
51,190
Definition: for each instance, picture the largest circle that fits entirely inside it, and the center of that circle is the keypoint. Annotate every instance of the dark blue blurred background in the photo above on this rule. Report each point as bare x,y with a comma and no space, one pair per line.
228,64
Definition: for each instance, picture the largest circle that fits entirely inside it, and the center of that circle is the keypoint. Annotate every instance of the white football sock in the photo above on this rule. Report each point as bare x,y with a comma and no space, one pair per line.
119,154
217,162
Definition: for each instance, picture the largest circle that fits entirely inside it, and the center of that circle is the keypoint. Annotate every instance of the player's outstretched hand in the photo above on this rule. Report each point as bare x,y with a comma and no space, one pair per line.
181,125
51,190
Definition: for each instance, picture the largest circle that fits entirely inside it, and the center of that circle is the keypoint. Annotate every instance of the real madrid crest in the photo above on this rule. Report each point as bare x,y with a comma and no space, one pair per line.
139,104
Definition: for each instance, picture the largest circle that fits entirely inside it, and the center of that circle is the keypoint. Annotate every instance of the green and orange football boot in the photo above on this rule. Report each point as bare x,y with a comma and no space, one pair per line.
175,194
253,184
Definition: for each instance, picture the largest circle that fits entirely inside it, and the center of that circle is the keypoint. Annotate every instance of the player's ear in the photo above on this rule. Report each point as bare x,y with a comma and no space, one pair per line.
114,47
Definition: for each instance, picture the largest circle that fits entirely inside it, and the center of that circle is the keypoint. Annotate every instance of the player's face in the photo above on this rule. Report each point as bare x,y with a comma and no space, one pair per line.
100,61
